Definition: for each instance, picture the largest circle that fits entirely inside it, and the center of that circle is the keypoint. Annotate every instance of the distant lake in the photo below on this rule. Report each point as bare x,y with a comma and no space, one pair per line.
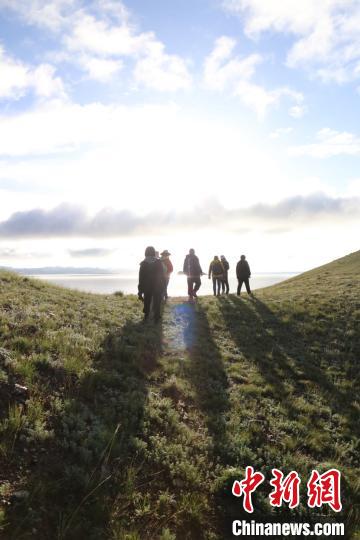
110,283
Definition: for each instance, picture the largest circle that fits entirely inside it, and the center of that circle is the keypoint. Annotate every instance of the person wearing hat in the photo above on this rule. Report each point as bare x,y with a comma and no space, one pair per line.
168,268
151,284
243,274
225,282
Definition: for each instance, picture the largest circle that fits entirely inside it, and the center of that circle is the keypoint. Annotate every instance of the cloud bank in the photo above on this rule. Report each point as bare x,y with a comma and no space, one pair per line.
91,252
73,221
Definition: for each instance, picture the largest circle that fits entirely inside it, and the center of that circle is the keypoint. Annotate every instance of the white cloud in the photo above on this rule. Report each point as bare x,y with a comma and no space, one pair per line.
260,99
115,8
45,83
14,77
256,97
100,69
317,44
329,143
51,14
327,39
223,71
101,37
297,111
218,75
290,16
353,189
154,68
161,71
98,36
17,78
279,132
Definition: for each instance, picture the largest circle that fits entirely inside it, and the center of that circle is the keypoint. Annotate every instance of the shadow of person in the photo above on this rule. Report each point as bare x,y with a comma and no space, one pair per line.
280,352
92,461
294,377
206,373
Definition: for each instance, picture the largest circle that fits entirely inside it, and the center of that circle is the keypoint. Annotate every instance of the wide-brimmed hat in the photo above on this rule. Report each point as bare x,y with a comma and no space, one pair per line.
165,252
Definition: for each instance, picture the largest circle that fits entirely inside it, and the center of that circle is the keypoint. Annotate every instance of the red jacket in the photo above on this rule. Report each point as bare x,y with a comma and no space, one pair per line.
167,265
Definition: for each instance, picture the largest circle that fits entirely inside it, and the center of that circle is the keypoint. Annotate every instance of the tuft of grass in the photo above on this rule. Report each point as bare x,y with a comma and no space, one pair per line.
10,428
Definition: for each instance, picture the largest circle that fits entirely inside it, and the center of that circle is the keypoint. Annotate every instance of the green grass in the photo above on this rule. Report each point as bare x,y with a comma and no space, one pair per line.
132,431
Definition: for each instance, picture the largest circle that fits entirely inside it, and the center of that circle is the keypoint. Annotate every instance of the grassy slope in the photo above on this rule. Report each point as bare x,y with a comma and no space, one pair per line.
133,431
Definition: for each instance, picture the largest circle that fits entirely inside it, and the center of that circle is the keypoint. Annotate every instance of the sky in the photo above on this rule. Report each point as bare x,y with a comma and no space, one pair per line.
229,126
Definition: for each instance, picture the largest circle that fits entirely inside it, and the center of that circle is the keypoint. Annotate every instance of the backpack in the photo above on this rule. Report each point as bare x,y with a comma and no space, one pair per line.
217,268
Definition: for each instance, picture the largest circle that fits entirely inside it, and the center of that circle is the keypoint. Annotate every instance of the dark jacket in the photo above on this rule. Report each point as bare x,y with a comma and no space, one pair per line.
151,276
192,266
243,270
226,266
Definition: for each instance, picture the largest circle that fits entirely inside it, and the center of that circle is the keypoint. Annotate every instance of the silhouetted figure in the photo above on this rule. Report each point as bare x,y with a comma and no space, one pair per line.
243,274
193,271
225,282
216,271
168,268
151,283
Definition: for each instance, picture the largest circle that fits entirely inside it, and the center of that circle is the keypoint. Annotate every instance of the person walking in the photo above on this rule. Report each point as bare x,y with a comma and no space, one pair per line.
151,284
216,271
225,282
243,274
168,269
193,271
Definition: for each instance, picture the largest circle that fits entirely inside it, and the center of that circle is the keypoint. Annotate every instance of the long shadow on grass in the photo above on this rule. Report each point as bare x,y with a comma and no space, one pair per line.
281,353
92,463
207,374
289,370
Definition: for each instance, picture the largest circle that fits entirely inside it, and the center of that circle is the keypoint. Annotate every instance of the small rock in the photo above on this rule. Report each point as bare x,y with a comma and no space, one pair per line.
20,495
4,355
18,389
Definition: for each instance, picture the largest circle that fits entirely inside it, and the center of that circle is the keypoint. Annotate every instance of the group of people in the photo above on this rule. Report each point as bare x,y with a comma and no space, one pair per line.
218,272
156,269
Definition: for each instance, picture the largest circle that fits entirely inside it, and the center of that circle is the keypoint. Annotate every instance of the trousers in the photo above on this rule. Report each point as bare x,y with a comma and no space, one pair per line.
247,285
154,298
225,285
194,284
216,285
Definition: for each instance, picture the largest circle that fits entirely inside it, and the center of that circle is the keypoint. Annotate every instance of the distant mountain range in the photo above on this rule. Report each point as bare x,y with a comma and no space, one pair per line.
60,270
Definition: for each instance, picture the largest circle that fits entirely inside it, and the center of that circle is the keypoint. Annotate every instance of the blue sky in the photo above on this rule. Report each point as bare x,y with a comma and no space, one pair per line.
227,125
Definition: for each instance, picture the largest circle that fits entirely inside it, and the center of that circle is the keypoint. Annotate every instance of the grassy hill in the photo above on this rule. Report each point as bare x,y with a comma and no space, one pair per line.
112,429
